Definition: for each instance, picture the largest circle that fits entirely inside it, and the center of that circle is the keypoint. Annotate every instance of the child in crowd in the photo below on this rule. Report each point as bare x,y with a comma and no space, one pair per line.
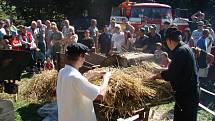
40,58
165,61
158,52
15,43
48,64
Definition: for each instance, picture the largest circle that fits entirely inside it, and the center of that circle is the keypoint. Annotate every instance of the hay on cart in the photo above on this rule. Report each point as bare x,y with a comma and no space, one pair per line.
131,89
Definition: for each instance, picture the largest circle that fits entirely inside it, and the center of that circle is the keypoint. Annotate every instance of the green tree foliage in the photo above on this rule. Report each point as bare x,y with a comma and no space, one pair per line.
47,9
57,9
35,9
6,11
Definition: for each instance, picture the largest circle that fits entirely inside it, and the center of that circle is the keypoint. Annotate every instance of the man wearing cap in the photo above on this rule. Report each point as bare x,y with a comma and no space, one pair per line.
182,75
163,31
154,38
140,44
197,34
75,94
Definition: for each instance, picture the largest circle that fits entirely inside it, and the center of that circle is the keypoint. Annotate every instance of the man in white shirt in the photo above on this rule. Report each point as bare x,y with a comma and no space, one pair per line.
33,30
118,39
75,94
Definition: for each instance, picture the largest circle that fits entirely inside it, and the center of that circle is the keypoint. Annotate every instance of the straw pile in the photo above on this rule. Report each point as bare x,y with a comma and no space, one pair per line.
131,89
41,87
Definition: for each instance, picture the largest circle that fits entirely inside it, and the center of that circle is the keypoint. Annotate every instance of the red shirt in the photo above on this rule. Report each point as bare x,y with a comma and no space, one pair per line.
49,66
14,41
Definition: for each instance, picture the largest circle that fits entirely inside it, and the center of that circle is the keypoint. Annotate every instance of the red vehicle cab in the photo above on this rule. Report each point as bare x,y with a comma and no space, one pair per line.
152,13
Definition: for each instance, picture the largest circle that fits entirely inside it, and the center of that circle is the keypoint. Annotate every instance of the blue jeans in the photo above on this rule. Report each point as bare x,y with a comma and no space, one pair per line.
42,47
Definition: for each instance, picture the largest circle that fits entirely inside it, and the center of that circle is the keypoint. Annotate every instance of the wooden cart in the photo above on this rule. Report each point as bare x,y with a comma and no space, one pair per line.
92,61
143,113
116,60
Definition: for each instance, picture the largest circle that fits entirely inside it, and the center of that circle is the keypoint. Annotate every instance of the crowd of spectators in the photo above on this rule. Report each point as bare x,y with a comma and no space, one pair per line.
43,40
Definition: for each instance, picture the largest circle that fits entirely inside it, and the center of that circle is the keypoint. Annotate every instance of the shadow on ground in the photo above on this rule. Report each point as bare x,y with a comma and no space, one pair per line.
29,112
168,115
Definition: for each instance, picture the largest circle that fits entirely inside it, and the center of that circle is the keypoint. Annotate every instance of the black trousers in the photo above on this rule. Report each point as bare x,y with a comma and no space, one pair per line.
186,106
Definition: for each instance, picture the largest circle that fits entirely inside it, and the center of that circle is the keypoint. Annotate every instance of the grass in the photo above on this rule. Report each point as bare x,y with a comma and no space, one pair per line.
24,110
167,109
27,111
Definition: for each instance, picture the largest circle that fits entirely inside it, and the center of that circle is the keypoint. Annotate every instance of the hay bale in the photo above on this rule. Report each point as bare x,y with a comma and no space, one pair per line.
42,87
126,59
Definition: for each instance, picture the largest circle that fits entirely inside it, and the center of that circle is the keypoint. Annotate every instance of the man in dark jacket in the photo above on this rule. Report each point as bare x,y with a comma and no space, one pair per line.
141,43
163,32
182,74
105,41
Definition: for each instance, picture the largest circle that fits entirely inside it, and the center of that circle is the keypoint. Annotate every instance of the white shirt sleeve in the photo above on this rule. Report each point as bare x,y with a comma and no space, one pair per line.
76,38
59,84
86,88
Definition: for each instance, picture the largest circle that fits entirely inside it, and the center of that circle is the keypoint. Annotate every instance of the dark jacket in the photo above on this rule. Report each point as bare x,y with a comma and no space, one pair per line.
105,42
151,42
182,71
89,42
139,43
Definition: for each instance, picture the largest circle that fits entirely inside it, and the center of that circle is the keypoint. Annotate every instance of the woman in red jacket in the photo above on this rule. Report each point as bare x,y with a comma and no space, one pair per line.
26,38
